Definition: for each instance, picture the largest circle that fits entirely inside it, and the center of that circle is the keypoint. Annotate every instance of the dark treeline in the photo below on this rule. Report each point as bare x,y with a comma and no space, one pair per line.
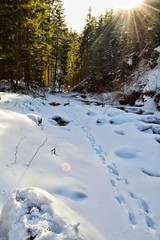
36,46
34,41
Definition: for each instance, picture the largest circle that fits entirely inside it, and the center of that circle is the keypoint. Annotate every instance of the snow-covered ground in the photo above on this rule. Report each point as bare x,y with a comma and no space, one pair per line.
73,168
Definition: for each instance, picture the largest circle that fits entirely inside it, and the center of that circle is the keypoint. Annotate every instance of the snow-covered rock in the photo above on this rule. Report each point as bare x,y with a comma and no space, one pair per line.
31,214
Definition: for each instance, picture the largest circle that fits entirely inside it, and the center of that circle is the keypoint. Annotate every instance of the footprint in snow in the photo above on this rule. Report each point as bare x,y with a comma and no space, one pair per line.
121,200
126,181
144,207
132,218
112,169
113,183
118,196
150,223
97,148
141,203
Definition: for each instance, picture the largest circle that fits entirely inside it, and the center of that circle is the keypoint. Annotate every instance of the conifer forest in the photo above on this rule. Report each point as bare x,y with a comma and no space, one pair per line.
38,48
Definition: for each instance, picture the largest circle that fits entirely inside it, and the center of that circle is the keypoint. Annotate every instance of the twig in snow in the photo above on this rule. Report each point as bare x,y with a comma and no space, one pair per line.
106,110
15,158
54,151
75,227
37,152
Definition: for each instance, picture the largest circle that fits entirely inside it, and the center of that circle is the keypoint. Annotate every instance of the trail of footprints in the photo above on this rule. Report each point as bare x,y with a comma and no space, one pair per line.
97,148
141,203
115,178
113,171
145,210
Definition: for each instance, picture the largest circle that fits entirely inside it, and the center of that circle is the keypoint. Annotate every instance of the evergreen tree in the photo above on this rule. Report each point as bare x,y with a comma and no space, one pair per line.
59,41
23,29
73,61
36,46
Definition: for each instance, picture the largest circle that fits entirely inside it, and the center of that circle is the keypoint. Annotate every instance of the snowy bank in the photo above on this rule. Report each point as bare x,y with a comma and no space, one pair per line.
32,213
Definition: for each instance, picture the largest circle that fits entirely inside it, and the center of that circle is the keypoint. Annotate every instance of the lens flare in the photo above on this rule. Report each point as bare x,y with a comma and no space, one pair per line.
66,166
126,4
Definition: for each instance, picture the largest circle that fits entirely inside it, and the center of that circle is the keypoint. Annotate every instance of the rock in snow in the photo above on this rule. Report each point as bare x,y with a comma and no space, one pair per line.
35,118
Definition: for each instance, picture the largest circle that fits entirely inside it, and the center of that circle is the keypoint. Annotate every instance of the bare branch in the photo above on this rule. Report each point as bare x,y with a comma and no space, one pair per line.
16,152
37,151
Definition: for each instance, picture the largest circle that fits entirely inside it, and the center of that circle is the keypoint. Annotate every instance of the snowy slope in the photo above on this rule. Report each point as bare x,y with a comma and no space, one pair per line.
99,165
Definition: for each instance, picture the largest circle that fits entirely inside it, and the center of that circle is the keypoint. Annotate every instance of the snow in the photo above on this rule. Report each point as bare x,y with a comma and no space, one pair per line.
33,209
157,49
78,170
153,80
130,62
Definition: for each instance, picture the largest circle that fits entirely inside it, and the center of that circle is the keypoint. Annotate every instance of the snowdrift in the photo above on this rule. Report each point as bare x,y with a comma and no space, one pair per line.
33,213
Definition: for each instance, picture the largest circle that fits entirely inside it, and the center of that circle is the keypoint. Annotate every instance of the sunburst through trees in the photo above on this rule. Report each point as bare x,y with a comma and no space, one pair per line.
37,47
115,45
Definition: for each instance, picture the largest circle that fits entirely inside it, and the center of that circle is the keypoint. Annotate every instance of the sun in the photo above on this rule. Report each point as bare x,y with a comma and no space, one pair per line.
126,4
133,3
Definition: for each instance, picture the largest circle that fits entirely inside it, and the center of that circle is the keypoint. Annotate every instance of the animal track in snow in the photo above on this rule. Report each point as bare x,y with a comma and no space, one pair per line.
132,218
112,169
150,223
114,177
144,208
122,202
97,148
141,203
120,199
112,182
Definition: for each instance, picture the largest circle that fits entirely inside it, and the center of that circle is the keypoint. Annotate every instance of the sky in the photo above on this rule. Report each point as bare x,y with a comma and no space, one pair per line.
76,11
98,176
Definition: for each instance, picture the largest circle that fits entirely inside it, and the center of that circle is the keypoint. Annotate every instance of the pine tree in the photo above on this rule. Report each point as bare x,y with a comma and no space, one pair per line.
59,35
23,28
73,61
86,46
9,39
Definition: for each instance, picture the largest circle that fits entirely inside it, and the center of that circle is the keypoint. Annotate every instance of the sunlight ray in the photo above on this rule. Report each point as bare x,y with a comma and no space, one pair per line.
104,31
135,25
147,5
